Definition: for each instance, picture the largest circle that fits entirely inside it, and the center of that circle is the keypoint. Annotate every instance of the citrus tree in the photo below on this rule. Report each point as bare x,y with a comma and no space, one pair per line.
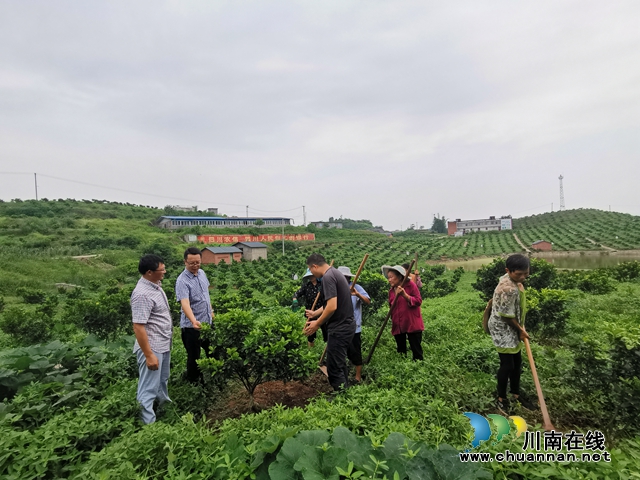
256,348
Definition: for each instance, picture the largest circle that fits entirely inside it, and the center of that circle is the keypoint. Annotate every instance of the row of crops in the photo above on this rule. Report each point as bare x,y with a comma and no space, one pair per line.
572,229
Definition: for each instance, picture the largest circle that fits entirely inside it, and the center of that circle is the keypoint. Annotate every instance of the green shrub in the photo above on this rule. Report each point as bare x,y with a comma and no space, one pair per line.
626,271
25,327
596,282
257,348
546,312
376,286
31,295
542,275
106,316
3,303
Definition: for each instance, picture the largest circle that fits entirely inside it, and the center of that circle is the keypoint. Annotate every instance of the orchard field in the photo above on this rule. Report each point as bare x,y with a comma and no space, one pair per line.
68,377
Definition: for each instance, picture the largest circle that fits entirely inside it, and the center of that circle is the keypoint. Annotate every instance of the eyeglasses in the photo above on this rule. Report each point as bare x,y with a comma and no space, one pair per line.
193,264
160,270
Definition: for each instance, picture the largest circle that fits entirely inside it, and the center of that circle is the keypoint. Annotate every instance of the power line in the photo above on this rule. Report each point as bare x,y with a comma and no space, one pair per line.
136,193
79,182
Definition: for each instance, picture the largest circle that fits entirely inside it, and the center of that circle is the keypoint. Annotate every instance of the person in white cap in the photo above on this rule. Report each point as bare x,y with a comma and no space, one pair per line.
308,292
358,297
406,318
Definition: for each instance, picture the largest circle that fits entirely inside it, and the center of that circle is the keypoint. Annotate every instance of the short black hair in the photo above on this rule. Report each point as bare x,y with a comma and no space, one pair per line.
406,266
149,262
316,259
517,262
192,251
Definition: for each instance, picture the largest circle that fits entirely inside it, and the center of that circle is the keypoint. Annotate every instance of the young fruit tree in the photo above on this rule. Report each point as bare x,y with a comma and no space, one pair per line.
257,347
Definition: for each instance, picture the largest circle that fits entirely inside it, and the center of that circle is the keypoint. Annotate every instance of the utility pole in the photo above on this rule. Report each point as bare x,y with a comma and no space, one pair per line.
247,211
552,206
561,193
283,238
304,216
35,179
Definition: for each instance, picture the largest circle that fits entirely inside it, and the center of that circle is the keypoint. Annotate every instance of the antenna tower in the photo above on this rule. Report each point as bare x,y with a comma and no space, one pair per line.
561,193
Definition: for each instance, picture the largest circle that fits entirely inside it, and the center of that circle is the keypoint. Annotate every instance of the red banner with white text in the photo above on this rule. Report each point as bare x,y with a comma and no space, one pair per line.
302,237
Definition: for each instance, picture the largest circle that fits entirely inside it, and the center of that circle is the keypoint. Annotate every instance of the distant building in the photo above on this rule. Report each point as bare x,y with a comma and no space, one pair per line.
327,224
252,250
181,208
460,227
190,238
172,222
213,210
542,245
216,255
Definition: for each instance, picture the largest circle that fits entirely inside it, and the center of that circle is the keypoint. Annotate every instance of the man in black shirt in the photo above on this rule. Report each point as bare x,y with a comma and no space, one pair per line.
337,314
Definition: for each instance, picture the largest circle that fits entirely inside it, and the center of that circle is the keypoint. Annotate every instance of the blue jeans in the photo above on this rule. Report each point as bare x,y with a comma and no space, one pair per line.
152,384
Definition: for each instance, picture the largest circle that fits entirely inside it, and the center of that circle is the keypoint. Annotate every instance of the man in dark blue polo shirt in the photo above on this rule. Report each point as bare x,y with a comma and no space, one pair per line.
192,291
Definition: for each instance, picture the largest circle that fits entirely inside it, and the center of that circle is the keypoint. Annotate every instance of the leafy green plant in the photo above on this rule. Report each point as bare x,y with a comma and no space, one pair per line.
258,348
106,316
26,327
542,275
626,271
547,312
31,295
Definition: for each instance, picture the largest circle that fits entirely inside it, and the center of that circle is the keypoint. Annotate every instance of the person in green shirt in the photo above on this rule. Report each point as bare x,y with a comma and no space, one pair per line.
506,327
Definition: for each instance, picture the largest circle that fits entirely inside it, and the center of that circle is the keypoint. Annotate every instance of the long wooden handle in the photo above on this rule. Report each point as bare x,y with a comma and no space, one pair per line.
364,260
355,279
384,324
547,425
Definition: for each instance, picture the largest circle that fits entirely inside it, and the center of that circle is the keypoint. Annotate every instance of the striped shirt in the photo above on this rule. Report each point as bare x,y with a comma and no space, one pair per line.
150,307
195,288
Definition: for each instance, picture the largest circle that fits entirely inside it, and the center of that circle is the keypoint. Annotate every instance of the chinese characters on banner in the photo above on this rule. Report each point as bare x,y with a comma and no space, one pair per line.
309,237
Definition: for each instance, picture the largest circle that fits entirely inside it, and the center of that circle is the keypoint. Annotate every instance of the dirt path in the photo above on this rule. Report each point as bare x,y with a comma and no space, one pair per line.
520,243
603,246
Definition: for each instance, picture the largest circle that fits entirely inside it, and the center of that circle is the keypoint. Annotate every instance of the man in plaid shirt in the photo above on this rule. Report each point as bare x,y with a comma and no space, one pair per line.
153,329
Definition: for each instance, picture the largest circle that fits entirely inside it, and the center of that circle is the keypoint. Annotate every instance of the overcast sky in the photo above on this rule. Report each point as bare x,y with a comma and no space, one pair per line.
389,111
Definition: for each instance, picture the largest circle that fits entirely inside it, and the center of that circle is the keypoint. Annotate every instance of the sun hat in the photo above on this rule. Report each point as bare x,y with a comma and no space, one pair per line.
346,271
307,274
397,268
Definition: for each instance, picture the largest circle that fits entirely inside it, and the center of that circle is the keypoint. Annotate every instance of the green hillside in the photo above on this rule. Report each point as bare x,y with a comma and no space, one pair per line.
572,229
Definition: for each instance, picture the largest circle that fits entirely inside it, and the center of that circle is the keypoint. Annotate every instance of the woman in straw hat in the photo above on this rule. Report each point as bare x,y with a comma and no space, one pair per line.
406,318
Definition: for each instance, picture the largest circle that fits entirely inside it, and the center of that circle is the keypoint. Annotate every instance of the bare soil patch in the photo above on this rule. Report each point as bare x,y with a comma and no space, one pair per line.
290,394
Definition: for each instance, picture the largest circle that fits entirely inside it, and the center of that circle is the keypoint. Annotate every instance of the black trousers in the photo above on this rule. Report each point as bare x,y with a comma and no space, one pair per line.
510,370
354,352
415,342
337,346
312,338
193,345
